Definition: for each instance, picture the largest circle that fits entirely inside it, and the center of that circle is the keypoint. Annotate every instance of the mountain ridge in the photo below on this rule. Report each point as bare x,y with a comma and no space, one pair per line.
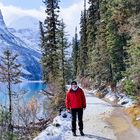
28,57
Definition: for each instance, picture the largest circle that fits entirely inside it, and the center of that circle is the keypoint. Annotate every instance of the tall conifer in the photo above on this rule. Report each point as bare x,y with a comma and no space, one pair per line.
50,59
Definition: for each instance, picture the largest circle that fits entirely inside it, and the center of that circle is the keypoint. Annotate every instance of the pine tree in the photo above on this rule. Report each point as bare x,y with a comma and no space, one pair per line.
75,54
10,73
92,33
41,34
63,45
117,37
83,59
101,53
69,69
107,39
50,59
132,74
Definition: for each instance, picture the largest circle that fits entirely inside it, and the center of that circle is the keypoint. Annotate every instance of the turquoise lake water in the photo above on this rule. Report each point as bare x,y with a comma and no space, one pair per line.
32,89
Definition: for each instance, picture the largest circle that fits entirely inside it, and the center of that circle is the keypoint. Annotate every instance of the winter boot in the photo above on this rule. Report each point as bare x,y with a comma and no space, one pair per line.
74,133
82,134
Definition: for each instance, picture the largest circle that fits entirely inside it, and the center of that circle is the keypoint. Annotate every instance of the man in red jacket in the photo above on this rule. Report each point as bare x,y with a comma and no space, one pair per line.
76,102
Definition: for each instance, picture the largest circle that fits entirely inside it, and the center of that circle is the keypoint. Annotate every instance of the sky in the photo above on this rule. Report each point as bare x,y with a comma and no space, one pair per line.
29,4
70,11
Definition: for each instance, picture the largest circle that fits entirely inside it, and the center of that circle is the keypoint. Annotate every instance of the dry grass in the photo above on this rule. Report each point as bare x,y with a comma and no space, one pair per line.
134,112
119,124
100,95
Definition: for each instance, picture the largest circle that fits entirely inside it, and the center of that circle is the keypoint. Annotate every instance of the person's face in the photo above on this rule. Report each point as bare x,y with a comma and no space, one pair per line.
73,86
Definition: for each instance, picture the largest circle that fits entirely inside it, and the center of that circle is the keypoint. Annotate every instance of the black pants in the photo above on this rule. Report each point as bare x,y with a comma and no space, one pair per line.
75,112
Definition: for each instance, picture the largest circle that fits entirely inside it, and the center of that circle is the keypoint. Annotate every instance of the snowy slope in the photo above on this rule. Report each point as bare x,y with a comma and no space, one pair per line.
29,32
30,36
28,57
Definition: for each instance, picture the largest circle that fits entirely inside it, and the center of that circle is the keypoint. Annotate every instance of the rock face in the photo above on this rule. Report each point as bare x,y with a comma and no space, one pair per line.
29,57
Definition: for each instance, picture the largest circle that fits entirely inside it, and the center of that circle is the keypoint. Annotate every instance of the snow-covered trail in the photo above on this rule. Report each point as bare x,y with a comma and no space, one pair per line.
95,127
102,121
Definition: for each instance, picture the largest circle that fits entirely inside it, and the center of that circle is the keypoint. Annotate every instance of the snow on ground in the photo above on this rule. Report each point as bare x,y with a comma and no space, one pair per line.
95,127
57,129
120,98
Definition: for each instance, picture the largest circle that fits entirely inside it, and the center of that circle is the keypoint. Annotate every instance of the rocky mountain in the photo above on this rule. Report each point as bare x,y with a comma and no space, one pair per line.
27,29
25,43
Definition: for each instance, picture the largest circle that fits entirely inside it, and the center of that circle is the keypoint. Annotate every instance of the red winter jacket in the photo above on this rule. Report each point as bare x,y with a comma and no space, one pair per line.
75,99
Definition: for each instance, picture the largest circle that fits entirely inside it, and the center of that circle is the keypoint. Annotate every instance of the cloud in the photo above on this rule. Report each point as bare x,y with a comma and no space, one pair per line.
70,15
11,13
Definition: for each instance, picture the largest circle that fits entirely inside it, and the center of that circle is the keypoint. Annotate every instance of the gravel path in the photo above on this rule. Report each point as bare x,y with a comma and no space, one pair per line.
95,127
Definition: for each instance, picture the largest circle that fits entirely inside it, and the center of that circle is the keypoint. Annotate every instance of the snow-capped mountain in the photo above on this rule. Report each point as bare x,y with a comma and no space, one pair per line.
30,36
29,57
29,32
26,22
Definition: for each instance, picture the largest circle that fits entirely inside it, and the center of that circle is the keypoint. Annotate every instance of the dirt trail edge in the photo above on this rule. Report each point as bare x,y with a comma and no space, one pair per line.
122,126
